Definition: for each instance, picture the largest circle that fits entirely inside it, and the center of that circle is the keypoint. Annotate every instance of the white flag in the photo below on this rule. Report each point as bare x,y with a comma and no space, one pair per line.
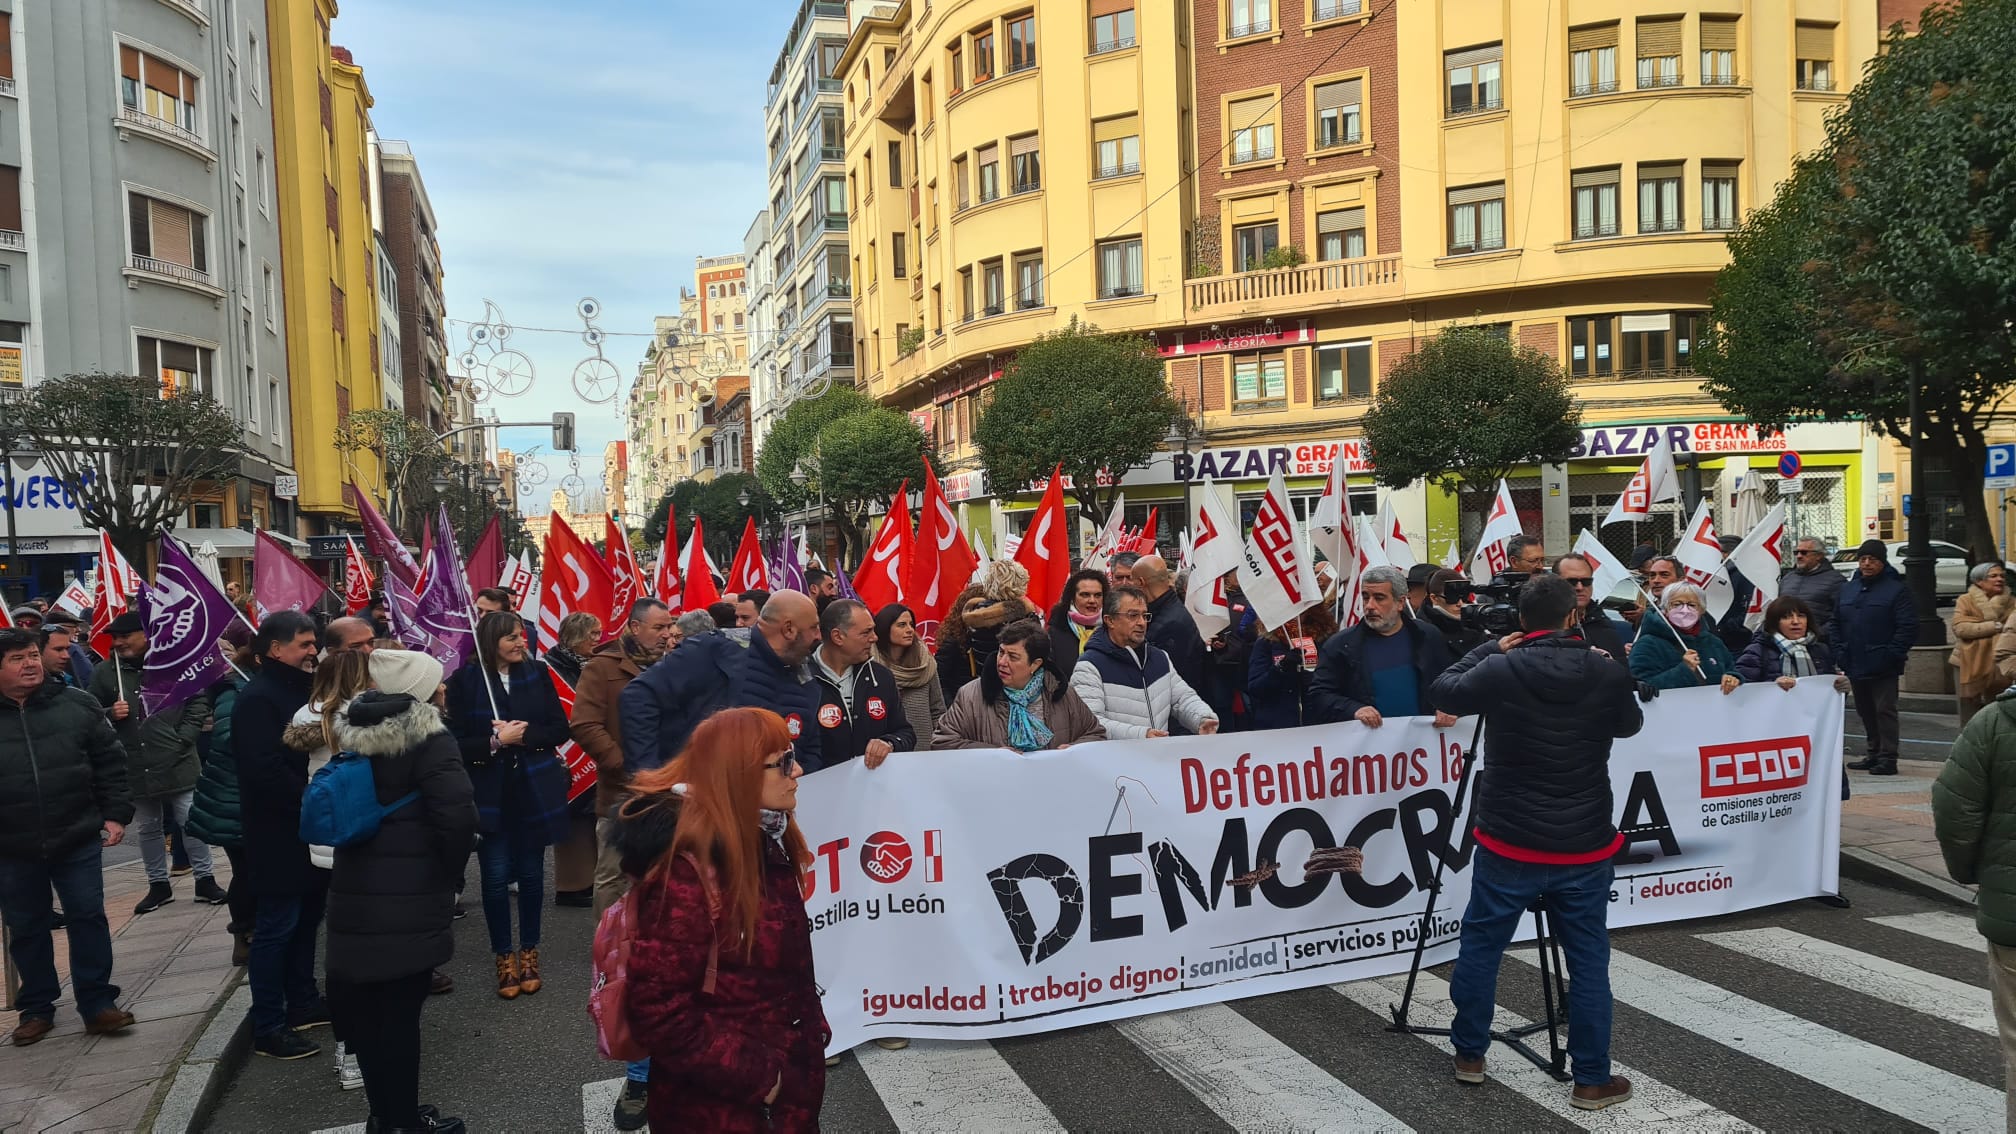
1500,524
1370,552
1760,557
979,554
74,599
1214,552
1392,540
1611,574
1273,572
1108,543
1700,552
1654,482
1453,558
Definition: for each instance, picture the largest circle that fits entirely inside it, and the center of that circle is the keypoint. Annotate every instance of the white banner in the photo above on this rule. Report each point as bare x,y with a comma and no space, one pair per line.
976,894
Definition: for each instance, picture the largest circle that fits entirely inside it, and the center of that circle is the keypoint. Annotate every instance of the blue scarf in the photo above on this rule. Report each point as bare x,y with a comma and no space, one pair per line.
1025,732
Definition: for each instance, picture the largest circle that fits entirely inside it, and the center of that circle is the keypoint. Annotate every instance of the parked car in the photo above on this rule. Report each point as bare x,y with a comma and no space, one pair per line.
1949,569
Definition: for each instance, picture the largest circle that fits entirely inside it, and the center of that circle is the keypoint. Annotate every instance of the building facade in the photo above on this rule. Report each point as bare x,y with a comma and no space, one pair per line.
139,234
412,241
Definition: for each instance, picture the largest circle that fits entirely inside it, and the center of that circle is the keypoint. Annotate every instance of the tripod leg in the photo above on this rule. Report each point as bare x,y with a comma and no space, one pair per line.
1406,1004
1556,993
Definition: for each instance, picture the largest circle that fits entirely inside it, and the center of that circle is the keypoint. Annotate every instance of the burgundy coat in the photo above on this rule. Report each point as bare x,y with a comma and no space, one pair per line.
714,1058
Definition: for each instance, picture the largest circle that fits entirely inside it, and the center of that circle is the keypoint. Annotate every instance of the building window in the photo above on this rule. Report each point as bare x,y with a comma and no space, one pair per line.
1117,147
992,283
1595,202
1344,372
1252,243
1589,346
1249,17
830,51
1718,196
1718,51
955,68
1112,25
1252,130
1119,268
988,160
158,89
1336,9
959,176
1340,234
1658,53
1021,42
1813,47
1474,79
1260,382
836,202
1028,280
1656,344
966,294
1659,197
271,293
168,238
897,268
1477,219
1592,60
1338,118
896,165
983,55
182,368
1025,169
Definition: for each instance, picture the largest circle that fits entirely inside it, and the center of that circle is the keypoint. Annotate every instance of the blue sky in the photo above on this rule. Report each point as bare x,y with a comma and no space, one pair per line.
573,149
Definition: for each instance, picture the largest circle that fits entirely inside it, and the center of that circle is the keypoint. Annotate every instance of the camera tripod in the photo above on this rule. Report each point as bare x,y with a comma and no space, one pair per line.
1553,978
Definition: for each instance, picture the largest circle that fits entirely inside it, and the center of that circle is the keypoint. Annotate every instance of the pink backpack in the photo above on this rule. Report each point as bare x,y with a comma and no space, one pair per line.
608,991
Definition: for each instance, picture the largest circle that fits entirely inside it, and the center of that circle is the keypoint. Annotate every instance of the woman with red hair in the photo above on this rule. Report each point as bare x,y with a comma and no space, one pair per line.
721,991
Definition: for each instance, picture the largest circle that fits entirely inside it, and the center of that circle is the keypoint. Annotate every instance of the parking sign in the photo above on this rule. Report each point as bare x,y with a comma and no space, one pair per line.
1999,470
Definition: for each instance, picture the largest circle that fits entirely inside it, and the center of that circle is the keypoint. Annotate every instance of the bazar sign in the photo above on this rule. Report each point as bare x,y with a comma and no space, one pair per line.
1239,336
1251,462
1701,437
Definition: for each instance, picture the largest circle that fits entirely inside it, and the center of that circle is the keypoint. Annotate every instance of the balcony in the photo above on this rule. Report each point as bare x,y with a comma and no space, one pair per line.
1338,9
1124,169
7,87
1105,46
168,272
1584,90
1252,154
189,8
1301,288
164,131
13,241
831,85
1257,27
832,153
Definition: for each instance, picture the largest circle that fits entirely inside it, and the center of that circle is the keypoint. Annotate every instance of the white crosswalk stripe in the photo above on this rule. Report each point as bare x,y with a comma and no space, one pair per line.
1886,980
950,1085
1952,928
1653,1103
1249,1078
1881,1078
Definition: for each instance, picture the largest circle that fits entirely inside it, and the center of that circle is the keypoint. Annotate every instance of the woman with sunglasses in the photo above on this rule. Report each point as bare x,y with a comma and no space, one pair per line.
1658,658
721,988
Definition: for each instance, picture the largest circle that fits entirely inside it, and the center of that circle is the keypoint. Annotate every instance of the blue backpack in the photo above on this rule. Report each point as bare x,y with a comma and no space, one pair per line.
340,807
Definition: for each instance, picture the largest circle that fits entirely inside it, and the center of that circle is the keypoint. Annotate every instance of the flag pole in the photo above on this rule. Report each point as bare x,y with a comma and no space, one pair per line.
476,643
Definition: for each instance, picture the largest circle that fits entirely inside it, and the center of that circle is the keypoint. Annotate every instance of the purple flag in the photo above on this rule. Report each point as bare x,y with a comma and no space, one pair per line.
784,572
280,581
845,584
402,606
186,616
445,604
384,542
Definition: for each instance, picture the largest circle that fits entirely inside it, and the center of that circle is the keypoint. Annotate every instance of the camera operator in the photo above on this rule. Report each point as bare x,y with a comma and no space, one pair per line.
1544,823
1447,588
1598,628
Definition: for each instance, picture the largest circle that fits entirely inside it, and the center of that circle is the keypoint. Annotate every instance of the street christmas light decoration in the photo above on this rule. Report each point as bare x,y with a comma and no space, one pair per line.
596,378
493,368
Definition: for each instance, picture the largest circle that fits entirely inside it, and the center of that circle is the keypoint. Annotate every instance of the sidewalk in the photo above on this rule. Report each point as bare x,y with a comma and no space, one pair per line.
1886,828
173,966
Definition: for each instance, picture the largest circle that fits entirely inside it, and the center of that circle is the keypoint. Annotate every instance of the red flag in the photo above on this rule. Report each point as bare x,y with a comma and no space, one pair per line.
357,575
1046,546
879,581
580,766
574,579
698,591
1144,541
113,595
485,568
6,617
747,573
667,585
944,562
622,564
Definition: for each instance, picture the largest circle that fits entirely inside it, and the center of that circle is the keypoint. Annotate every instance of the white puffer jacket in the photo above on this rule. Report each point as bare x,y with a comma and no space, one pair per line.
1133,691
304,734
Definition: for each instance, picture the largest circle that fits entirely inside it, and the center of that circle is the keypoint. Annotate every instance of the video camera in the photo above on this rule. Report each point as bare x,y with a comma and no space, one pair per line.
1497,617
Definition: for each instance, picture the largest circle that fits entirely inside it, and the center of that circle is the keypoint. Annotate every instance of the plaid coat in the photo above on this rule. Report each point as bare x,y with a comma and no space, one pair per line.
522,788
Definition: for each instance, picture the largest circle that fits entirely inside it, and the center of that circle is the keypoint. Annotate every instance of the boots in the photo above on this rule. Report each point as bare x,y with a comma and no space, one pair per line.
158,894
1886,766
507,976
1864,764
528,971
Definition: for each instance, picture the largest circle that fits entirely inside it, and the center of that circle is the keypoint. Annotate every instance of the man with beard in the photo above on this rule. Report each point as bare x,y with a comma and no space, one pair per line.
1381,667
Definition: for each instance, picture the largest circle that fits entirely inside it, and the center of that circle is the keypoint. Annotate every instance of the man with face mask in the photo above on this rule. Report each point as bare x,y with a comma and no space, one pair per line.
1381,667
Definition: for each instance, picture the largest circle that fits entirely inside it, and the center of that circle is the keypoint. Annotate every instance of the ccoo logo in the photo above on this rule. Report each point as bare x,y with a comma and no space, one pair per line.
886,857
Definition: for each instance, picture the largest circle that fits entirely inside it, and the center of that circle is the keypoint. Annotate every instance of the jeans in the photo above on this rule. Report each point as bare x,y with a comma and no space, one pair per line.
380,1025
282,968
79,881
1579,898
1876,705
505,858
147,827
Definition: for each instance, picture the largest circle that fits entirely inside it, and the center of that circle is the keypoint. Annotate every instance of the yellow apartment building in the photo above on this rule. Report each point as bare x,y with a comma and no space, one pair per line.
321,108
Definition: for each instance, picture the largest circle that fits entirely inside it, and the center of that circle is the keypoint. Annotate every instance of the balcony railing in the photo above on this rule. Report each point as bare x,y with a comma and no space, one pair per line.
1257,27
7,87
189,8
1258,153
1481,106
1583,90
830,85
1327,280
1654,82
1817,83
1105,46
1124,169
1332,9
13,240
1349,137
161,127
832,153
1718,224
1721,81
1585,230
1031,186
172,270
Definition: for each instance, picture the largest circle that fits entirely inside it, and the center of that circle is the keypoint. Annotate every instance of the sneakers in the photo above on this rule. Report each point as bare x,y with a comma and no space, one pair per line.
158,894
349,1076
528,971
460,912
507,976
107,1020
1617,1090
1470,1071
285,1044
316,1015
631,1105
892,1043
209,892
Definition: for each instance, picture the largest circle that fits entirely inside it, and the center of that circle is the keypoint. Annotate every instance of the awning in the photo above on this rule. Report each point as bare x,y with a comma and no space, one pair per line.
236,543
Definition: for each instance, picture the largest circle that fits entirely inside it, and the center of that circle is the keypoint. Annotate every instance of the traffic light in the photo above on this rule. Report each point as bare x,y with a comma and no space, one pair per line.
563,432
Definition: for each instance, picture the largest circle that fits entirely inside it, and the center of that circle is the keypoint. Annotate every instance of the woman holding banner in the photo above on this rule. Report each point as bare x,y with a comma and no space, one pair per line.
721,989
508,734
1023,701
901,648
1681,650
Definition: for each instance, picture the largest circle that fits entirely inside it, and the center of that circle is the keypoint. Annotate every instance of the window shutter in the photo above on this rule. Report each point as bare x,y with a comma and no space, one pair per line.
1339,220
6,46
1026,144
1592,178
1718,35
163,78
1592,38
1642,324
1249,112
987,155
10,198
1477,194
1661,171
171,233
129,63
1114,129
1470,57
1657,38
1108,7
1712,170
1814,41
1336,96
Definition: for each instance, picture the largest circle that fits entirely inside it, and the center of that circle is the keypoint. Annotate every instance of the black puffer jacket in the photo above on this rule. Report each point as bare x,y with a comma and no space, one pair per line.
271,778
1341,684
876,714
392,897
62,774
1552,707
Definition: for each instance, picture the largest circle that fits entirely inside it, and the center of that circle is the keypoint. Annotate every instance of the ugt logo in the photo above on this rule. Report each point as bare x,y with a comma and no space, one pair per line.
886,857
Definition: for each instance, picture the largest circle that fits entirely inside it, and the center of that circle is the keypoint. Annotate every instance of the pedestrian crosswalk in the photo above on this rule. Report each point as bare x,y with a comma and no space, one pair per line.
1812,1018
